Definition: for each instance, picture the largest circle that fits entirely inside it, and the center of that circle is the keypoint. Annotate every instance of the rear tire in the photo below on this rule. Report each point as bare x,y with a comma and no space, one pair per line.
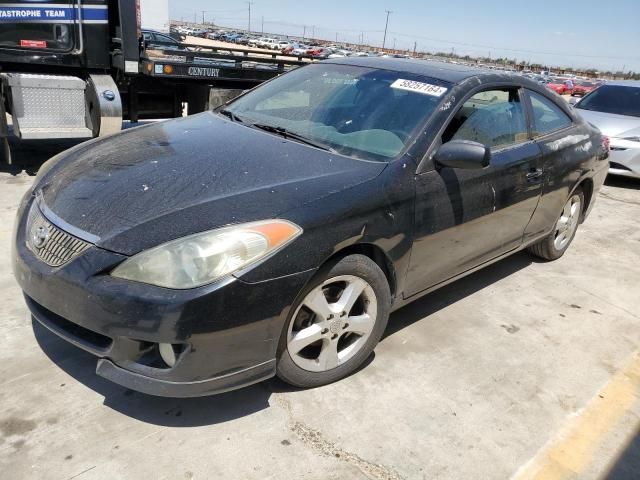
557,242
335,326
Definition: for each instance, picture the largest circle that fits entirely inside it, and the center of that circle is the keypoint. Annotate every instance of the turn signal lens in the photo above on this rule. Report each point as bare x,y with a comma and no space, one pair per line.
203,258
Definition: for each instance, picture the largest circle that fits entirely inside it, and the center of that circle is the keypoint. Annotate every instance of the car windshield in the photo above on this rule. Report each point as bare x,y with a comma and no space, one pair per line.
365,113
616,99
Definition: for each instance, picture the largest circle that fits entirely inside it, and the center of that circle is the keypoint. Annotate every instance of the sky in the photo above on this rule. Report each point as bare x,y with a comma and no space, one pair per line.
601,34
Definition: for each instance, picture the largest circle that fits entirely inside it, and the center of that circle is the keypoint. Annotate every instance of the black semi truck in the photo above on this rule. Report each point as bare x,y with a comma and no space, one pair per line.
78,68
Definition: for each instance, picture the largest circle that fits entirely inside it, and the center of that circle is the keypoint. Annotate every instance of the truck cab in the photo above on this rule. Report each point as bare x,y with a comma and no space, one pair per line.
68,33
78,68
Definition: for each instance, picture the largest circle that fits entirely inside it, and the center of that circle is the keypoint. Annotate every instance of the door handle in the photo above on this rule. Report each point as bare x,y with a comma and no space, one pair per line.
534,174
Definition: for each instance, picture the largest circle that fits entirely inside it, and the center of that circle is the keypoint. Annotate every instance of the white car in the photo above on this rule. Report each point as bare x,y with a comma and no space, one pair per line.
270,43
615,109
282,45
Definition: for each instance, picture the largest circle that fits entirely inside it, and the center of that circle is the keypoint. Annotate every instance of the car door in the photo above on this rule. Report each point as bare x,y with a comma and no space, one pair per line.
565,148
466,217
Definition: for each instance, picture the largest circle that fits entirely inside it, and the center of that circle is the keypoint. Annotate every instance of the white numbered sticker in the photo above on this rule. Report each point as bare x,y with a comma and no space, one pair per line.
419,87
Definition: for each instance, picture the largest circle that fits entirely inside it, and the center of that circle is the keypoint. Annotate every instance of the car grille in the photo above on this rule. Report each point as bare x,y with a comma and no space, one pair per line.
53,246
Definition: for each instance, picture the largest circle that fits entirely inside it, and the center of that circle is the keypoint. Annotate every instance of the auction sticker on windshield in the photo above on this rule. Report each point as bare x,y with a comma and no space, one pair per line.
419,87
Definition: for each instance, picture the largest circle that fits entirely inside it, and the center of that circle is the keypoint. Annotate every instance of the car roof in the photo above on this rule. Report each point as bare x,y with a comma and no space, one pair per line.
623,83
443,71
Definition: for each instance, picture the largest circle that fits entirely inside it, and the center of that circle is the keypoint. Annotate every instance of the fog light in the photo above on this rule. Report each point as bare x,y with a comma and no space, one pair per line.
167,353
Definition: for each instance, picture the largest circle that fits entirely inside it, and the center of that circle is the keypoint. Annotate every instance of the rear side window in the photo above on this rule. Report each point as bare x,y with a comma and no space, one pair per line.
547,116
494,118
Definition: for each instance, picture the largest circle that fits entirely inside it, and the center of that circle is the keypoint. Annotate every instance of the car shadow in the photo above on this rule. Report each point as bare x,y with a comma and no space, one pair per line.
170,412
622,182
190,412
456,291
627,464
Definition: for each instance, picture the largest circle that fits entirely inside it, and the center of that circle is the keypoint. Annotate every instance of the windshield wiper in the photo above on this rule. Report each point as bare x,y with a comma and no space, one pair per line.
288,134
232,116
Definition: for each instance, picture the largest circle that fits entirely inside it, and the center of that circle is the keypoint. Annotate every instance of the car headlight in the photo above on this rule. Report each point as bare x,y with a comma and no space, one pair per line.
203,258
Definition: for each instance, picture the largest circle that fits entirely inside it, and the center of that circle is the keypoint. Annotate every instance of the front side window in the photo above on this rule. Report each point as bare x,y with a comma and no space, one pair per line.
362,112
547,117
494,118
37,26
616,99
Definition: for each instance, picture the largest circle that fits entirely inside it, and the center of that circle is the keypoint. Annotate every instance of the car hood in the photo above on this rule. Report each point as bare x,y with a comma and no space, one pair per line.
156,183
611,124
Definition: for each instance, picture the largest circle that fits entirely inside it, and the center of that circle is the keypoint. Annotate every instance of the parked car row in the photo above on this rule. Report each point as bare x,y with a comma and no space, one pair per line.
569,86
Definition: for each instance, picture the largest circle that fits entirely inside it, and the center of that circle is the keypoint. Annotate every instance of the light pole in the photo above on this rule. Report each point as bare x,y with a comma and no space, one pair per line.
386,25
249,4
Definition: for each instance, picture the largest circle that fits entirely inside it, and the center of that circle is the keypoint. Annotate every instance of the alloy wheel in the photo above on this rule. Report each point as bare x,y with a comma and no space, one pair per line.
332,324
568,222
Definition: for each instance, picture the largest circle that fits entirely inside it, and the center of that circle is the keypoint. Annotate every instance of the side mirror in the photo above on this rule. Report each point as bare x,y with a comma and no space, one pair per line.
463,154
573,101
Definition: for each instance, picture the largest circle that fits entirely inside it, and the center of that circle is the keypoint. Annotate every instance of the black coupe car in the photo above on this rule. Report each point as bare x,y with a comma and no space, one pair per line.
276,235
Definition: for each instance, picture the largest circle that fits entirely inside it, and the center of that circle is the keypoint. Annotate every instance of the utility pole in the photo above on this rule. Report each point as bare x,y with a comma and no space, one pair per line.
203,12
386,25
415,47
313,31
336,37
249,29
263,24
304,32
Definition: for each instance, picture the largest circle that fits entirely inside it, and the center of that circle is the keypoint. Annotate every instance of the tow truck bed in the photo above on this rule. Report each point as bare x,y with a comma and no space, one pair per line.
216,63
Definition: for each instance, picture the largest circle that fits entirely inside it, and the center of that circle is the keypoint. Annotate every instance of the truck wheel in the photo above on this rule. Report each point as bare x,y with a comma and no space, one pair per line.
558,241
337,324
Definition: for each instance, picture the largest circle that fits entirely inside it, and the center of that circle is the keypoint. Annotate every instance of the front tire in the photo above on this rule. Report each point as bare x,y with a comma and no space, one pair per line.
336,325
557,243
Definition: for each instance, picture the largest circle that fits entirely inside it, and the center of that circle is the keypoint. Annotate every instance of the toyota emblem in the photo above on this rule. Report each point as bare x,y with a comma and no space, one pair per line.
40,236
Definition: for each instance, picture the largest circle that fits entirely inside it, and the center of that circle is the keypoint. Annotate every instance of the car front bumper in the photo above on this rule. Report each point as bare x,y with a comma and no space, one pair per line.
225,334
624,158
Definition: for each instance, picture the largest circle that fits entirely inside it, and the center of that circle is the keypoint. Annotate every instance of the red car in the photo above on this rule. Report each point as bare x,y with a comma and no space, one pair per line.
561,86
319,52
583,87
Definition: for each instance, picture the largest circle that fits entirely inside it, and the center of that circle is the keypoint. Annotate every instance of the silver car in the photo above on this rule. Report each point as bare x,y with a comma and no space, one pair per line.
615,109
